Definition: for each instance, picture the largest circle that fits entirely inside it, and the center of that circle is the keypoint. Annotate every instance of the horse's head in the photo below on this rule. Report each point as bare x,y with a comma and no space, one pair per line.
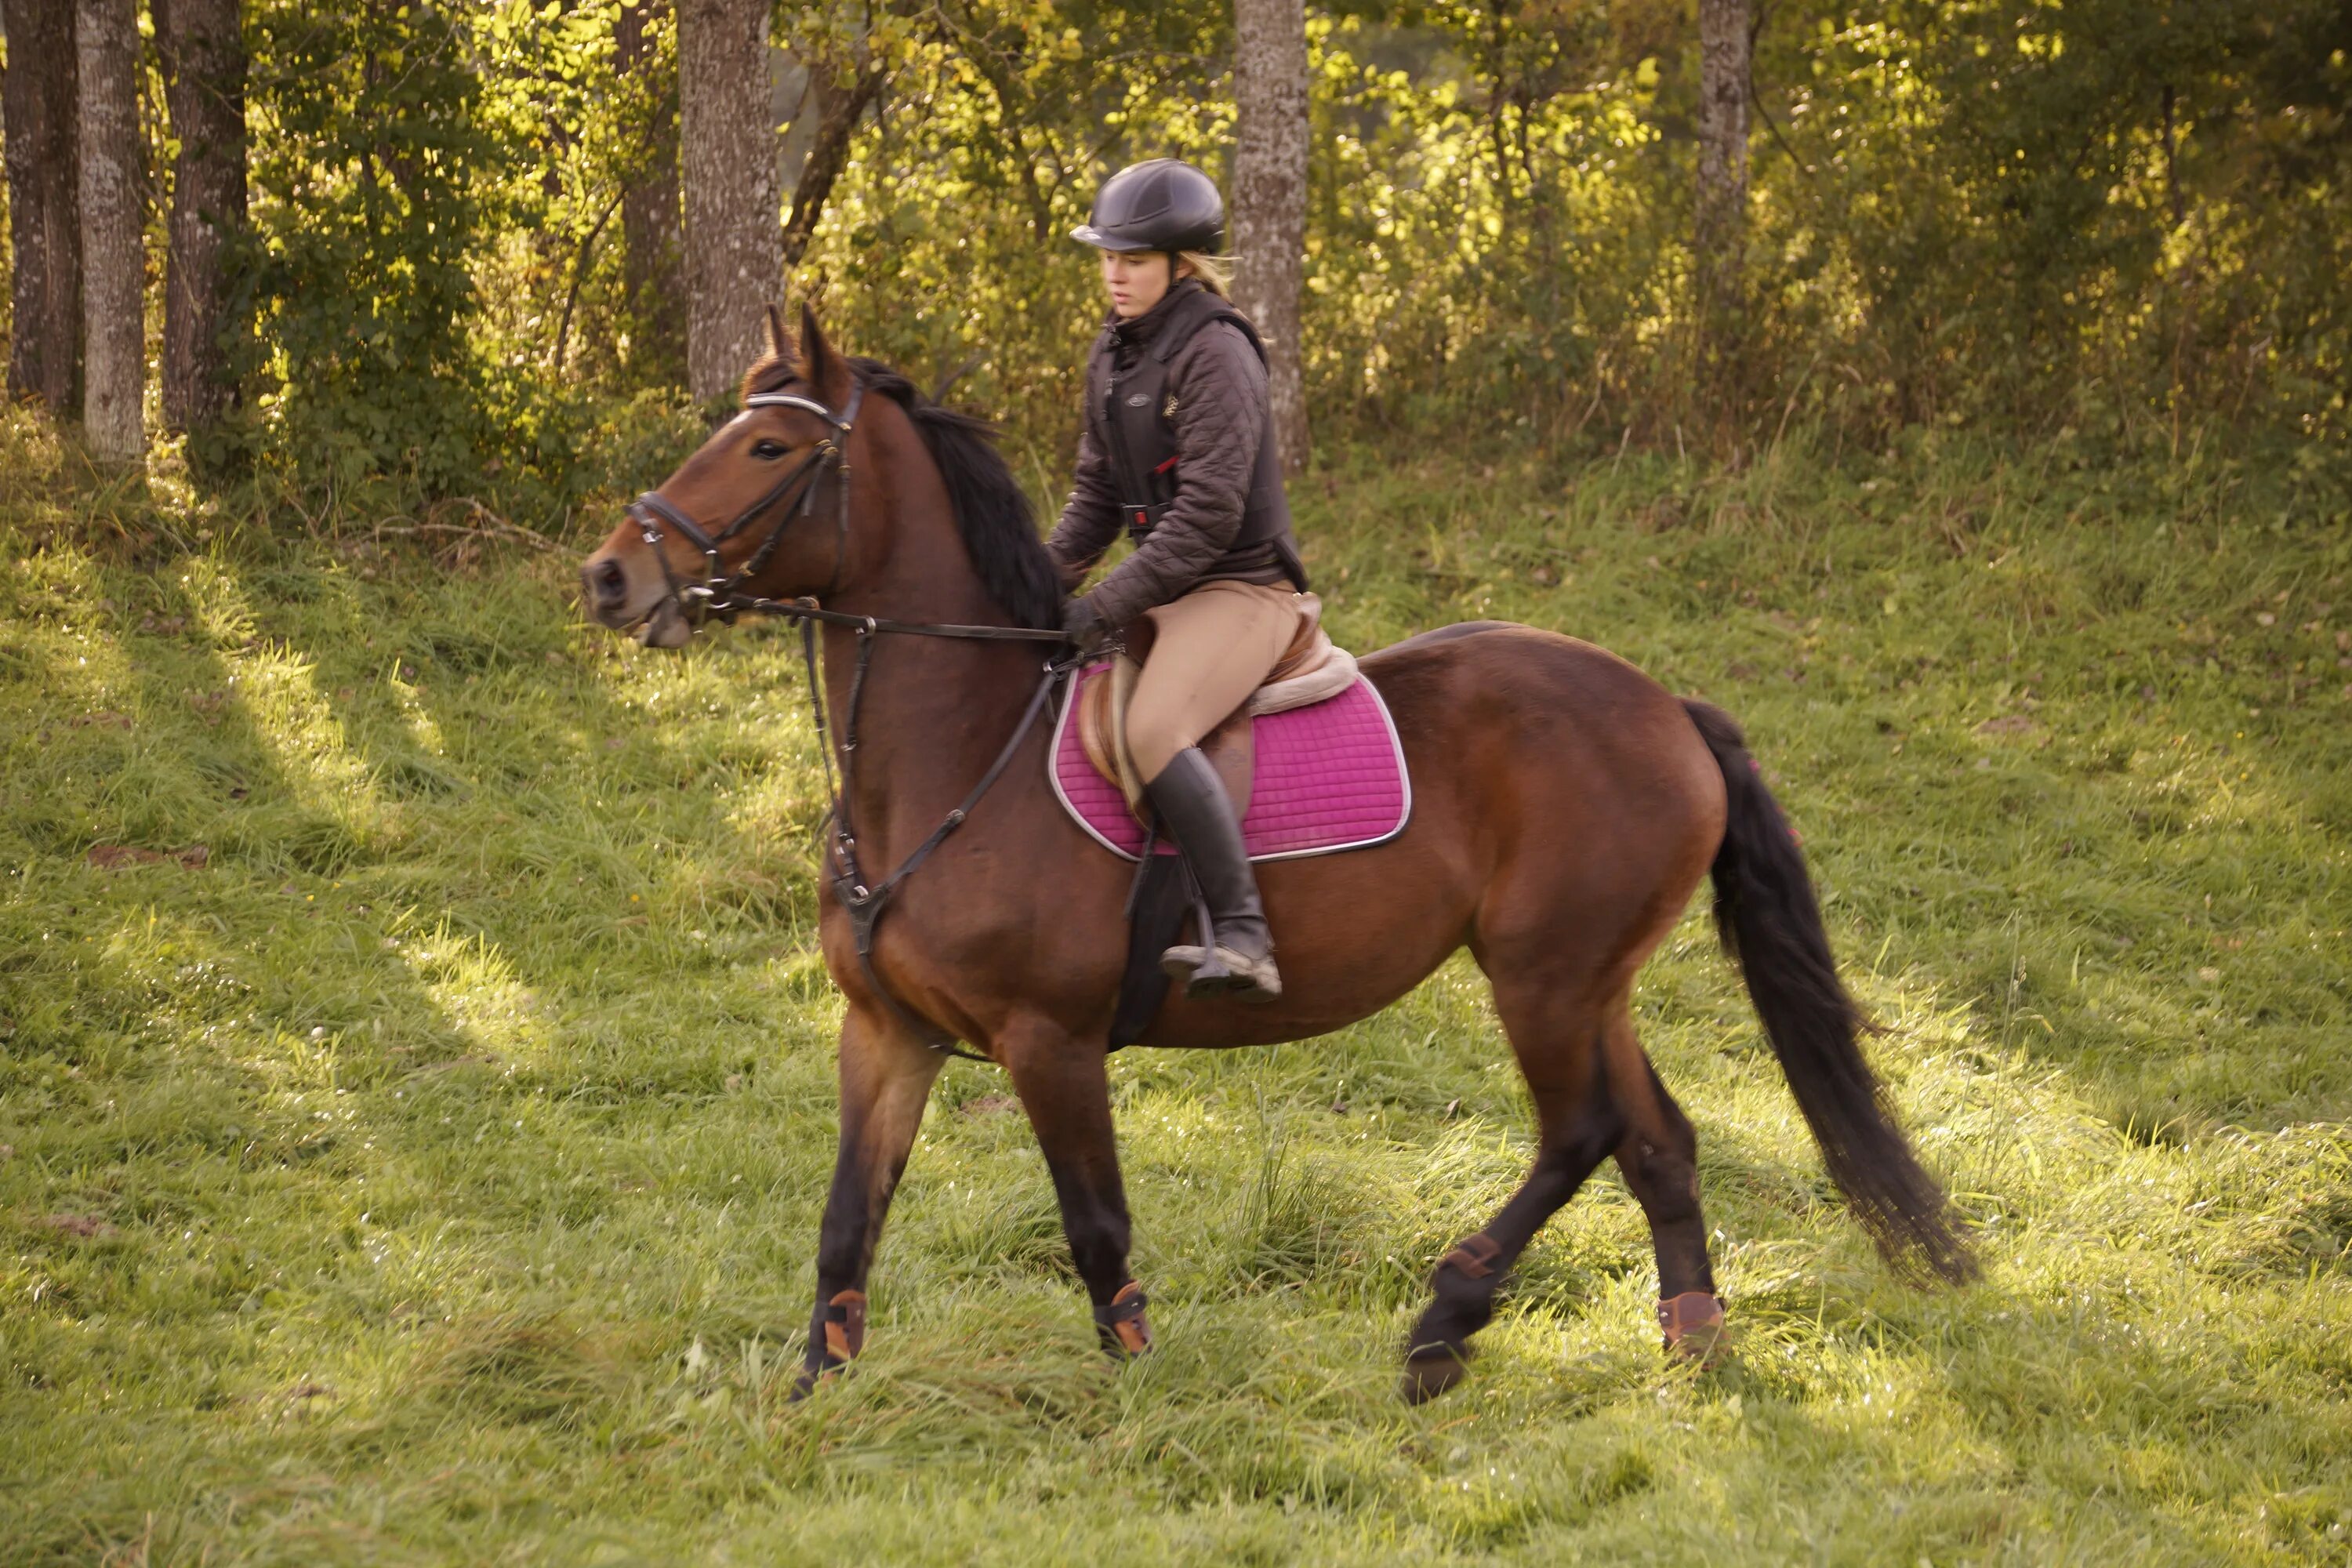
760,506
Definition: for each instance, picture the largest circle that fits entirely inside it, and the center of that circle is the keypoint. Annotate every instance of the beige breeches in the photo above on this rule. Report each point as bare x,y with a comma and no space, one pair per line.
1213,648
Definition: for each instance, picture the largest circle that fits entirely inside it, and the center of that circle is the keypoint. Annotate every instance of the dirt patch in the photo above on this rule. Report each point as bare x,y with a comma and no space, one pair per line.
114,857
87,1226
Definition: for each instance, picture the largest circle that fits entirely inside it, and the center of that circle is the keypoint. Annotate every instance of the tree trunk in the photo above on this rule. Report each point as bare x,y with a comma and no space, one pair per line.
1720,234
734,238
203,86
649,235
843,105
38,116
113,260
1269,217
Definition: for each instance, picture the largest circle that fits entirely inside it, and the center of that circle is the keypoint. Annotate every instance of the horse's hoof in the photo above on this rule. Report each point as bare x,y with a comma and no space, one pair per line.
1430,1371
1694,1328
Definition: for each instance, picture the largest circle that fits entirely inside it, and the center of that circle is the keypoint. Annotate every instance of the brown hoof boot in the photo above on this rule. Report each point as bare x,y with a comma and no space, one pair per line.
1121,1325
842,1337
1430,1371
1693,1323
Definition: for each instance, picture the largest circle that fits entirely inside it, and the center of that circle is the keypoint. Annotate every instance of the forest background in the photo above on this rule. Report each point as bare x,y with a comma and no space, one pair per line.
436,253
416,1065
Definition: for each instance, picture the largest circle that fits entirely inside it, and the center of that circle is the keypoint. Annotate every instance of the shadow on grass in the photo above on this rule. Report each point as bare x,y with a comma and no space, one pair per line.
332,1007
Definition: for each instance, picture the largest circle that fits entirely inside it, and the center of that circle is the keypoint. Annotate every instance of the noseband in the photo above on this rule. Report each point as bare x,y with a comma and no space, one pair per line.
719,594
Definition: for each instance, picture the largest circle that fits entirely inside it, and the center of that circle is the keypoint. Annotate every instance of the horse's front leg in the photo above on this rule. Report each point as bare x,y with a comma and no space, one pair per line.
886,1079
1064,1086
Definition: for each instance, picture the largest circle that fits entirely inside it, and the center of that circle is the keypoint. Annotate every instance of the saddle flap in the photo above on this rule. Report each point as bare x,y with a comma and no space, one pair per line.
1230,747
1096,731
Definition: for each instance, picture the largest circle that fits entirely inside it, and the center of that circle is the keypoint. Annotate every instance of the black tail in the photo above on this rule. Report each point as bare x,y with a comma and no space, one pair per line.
1772,926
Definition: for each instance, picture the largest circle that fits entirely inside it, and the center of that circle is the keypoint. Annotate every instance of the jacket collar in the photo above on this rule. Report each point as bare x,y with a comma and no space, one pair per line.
1141,332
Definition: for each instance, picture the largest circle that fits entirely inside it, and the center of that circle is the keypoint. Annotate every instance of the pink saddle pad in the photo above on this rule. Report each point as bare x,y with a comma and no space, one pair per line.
1330,776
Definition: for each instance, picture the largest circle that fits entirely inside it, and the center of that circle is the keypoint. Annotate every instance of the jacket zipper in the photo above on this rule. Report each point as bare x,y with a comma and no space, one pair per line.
1129,520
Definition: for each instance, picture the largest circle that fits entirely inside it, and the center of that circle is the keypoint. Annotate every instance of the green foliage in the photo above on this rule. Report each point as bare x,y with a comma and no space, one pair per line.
1496,258
946,245
2089,217
437,319
371,207
2107,217
574,128
2109,214
433,1175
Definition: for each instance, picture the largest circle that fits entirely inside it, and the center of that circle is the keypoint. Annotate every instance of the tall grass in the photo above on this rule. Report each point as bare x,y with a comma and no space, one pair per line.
428,1170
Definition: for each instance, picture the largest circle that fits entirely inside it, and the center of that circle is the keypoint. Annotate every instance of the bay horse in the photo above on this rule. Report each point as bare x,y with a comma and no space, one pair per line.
1565,806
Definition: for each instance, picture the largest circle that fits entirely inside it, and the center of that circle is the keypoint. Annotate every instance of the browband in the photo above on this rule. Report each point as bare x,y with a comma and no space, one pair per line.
794,400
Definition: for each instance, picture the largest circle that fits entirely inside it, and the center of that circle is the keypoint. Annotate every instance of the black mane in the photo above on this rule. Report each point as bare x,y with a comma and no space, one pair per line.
991,510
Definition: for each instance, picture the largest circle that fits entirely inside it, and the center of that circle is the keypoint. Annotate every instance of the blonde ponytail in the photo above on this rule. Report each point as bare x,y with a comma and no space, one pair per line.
1215,272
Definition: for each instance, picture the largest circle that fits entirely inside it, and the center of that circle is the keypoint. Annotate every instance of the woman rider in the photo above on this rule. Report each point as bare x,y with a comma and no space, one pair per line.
1178,448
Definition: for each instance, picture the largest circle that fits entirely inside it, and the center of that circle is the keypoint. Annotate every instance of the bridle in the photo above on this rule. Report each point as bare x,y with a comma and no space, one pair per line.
721,596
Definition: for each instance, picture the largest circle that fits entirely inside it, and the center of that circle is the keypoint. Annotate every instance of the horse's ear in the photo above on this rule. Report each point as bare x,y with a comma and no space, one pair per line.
780,341
819,363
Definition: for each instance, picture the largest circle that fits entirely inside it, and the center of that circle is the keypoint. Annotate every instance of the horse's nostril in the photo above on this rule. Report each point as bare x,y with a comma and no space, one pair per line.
605,581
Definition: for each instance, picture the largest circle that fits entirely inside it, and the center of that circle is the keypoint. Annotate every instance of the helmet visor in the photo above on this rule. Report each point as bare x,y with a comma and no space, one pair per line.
1088,233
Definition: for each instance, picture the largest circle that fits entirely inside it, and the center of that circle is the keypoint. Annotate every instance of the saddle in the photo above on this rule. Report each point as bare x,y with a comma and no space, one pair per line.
1327,774
1310,670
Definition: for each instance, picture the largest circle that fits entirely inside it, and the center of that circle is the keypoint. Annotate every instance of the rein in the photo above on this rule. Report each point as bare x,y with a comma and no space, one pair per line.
719,596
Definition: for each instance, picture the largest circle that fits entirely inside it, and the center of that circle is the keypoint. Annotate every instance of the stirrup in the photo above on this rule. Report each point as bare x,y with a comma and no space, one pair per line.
1223,972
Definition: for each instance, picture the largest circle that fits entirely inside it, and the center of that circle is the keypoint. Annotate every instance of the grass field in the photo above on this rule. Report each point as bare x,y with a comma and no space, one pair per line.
415,1095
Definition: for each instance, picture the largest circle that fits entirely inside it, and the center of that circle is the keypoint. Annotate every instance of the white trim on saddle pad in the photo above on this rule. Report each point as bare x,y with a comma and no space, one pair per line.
1388,719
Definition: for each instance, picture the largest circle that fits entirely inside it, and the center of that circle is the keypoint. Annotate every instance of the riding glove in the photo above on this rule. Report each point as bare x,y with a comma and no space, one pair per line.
1083,624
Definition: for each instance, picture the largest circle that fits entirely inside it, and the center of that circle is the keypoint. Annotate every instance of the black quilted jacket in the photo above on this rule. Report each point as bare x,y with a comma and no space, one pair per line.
1220,392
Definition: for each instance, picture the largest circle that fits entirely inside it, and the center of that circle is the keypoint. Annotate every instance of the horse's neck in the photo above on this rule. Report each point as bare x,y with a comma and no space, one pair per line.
934,711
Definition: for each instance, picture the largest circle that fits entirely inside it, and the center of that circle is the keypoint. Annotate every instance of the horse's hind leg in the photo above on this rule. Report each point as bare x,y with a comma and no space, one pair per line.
1558,1038
1659,1157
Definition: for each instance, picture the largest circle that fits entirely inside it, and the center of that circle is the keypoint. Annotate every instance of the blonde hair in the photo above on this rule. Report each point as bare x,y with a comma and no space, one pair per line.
1215,272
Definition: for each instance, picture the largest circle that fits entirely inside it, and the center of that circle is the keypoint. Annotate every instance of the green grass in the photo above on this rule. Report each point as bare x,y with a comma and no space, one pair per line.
432,1173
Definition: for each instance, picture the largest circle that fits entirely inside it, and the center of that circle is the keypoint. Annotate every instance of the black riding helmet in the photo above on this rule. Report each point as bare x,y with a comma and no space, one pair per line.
1163,204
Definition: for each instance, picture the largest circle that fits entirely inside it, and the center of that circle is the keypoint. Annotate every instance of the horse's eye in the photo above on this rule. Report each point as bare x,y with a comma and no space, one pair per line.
769,451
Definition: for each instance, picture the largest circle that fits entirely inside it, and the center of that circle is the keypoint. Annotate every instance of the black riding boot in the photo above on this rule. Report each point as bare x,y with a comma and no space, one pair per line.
1192,807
